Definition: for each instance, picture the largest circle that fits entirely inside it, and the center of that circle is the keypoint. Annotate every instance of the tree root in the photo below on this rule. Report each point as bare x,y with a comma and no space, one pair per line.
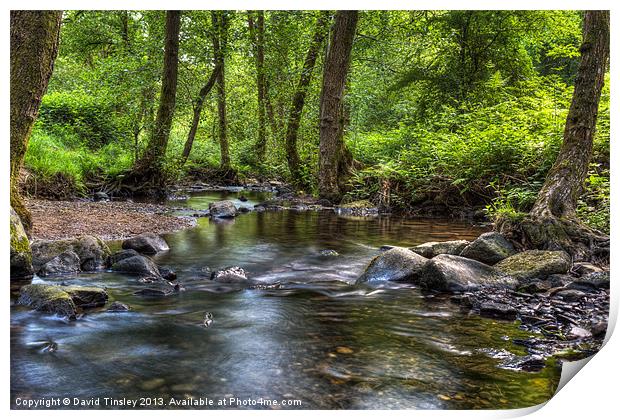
553,233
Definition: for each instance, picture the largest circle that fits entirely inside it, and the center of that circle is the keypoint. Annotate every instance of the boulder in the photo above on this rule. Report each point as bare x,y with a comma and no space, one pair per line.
61,300
67,262
121,255
101,196
397,264
432,249
489,248
535,263
223,209
453,273
167,273
230,275
92,251
146,243
21,254
119,307
138,264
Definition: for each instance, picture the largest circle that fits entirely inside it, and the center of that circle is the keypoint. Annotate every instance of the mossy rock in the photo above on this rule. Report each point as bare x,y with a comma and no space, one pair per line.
92,251
360,204
21,254
489,248
65,301
535,264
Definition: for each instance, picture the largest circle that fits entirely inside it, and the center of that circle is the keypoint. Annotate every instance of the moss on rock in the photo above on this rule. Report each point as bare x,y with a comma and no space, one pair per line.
535,264
62,300
21,254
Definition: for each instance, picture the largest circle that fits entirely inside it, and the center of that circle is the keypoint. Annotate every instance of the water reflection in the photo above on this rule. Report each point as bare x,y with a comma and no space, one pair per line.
318,338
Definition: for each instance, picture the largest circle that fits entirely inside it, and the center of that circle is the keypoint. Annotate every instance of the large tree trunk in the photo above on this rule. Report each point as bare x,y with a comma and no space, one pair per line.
34,46
552,222
197,111
147,175
299,99
220,28
257,35
334,158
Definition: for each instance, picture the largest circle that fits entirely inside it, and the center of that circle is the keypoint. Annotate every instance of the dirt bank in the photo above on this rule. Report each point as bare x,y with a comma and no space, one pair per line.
107,220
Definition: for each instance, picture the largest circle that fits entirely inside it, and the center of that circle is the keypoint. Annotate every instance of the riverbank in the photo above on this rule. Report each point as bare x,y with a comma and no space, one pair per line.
108,220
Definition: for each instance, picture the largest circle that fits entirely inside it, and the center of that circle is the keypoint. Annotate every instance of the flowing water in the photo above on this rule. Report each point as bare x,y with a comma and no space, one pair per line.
316,342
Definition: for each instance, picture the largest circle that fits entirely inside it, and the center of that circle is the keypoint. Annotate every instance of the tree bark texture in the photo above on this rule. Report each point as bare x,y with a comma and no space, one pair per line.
220,28
257,34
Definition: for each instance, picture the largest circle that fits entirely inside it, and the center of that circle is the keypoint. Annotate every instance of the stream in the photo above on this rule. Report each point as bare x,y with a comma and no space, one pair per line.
317,342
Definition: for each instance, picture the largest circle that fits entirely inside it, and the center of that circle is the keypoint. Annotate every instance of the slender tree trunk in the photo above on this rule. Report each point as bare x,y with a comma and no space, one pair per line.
334,158
299,99
552,222
149,168
220,28
34,46
257,35
197,111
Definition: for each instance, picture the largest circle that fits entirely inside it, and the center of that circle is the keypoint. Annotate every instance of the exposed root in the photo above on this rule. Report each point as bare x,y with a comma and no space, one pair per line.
553,233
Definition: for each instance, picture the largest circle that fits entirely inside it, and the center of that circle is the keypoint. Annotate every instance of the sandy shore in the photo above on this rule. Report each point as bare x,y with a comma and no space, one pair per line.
107,220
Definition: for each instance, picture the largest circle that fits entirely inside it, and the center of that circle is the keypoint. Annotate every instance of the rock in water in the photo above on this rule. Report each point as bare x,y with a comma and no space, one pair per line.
223,209
397,264
61,300
67,262
452,273
230,275
21,255
532,264
121,255
167,273
119,307
591,282
432,249
92,251
138,264
489,248
328,253
146,243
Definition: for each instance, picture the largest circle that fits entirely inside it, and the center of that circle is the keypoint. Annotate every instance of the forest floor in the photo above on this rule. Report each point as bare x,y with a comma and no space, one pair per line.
108,220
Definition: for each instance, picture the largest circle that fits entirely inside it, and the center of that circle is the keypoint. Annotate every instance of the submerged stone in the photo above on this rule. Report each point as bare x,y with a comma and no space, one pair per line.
397,264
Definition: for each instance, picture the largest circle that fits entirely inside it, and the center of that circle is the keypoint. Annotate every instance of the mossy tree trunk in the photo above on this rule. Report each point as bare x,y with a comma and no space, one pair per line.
299,98
34,46
147,175
220,29
552,223
335,160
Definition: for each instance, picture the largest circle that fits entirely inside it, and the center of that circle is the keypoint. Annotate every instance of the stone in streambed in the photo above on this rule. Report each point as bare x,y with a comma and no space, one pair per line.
591,282
119,307
489,248
138,264
233,275
61,300
452,273
146,243
155,292
535,264
167,273
223,209
21,254
67,262
432,249
398,264
498,310
121,255
92,251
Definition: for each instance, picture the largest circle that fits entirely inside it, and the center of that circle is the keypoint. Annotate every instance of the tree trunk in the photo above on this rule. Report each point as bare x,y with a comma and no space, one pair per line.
197,111
147,174
334,158
299,99
34,46
552,222
257,35
220,28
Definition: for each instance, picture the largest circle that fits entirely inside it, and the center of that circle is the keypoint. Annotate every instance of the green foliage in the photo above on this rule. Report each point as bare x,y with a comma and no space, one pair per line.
594,205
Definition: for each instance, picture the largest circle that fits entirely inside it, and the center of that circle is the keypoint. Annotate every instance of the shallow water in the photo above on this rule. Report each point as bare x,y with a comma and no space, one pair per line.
317,339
